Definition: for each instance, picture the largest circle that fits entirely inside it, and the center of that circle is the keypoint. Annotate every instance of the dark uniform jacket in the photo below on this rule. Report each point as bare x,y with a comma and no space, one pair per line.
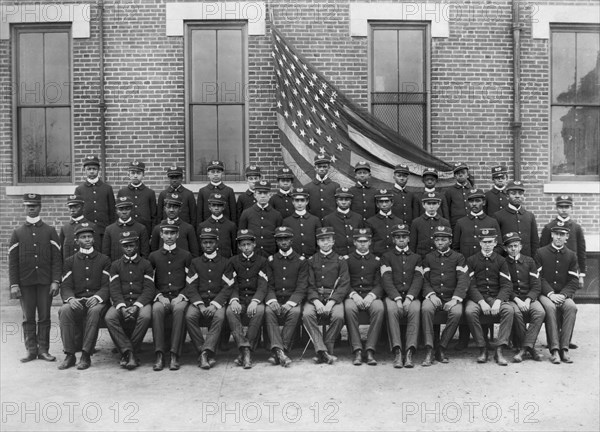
304,241
263,223
344,226
365,274
465,239
321,199
170,271
558,269
401,274
289,278
328,278
188,212
405,206
67,236
228,195
34,256
144,204
525,277
226,230
205,281
99,203
247,278
110,241
187,239
381,226
495,200
283,203
363,201
131,282
421,233
456,197
445,274
244,201
490,278
86,275
522,222
575,242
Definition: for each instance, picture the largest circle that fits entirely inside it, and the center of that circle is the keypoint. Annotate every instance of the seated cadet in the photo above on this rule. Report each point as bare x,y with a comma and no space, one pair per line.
381,224
343,221
489,294
219,224
526,290
131,293
282,199
188,212
402,280
111,245
445,285
558,268
247,199
365,294
363,202
171,266
286,291
84,291
423,227
208,296
303,224
328,286
66,235
247,275
186,238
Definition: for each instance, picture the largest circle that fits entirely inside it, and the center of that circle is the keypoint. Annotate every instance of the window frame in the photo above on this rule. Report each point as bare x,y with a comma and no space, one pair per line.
217,24
425,27
564,28
16,30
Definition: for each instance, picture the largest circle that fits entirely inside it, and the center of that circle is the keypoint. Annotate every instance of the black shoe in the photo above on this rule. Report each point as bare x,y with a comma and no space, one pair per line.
174,364
29,357
159,363
132,362
203,360
483,355
397,358
46,356
246,359
440,355
84,362
534,354
123,361
325,357
499,357
408,363
564,356
68,362
370,358
573,346
283,360
428,360
238,360
357,358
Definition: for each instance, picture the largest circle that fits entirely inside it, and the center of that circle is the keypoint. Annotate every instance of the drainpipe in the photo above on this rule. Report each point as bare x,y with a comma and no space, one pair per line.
101,102
516,123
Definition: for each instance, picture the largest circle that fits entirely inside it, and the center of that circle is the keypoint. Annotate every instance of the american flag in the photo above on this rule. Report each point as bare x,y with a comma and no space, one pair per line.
315,117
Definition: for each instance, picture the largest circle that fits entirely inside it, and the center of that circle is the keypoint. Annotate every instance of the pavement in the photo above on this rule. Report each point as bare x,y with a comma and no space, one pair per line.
461,395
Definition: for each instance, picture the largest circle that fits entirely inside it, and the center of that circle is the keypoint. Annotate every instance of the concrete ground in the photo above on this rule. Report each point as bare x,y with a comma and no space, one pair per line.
461,395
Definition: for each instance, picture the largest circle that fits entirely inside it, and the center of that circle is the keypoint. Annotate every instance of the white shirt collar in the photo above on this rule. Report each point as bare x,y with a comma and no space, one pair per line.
94,181
86,251
169,248
211,256
513,207
321,178
77,219
285,254
301,212
343,211
217,217
567,219
33,220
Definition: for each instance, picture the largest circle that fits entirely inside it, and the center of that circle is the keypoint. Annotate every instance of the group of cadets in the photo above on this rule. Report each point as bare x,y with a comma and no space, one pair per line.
319,254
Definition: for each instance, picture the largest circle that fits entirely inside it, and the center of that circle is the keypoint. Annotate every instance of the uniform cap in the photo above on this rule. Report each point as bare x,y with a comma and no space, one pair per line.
208,233
499,170
128,237
401,169
343,192
515,185
91,160
560,227
245,234
431,196
283,232
564,199
299,192
32,199
262,185
511,237
216,198
362,234
174,171
486,233
84,227
173,198
136,165
400,229
382,194
285,173
322,158
324,232
123,201
168,225
215,164
252,170
75,199
475,193
459,166
362,165
442,231
431,172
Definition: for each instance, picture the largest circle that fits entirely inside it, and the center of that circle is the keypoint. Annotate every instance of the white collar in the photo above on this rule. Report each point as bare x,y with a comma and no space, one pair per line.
96,180
216,184
397,186
286,254
301,212
402,250
325,253
77,219
385,214
500,189
169,248
86,251
567,219
33,220
477,214
321,179
217,217
211,256
283,192
514,208
430,190
343,211
126,221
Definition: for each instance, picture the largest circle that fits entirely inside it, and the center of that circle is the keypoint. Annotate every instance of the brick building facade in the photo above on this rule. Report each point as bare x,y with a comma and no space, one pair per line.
149,53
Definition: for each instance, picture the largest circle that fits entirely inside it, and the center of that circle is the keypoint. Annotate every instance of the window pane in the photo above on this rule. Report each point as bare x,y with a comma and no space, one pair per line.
385,61
563,67
410,121
56,68
204,66
31,70
32,144
410,53
230,78
58,142
387,114
588,63
204,137
231,141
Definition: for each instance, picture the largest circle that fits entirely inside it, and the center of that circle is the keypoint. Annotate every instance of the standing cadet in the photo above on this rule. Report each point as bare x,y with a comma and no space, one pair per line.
282,199
489,294
558,268
186,239
456,195
247,274
526,291
366,293
321,190
142,197
98,197
363,201
328,286
303,224
286,290
445,285
247,199
343,221
111,245
208,296
34,270
131,293
85,294
405,204
215,185
402,280
171,266
262,219
423,227
188,212
219,224
430,179
381,224
496,198
514,218
67,231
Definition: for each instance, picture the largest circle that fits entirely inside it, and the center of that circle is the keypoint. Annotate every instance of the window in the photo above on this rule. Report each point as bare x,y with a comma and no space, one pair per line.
43,103
399,78
216,95
575,102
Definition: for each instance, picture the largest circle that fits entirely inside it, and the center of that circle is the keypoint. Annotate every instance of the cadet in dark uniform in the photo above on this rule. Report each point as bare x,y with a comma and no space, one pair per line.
402,280
405,206
142,197
381,224
98,197
111,245
34,270
67,231
423,227
247,199
496,198
186,238
208,295
217,222
526,291
282,199
286,291
445,285
514,218
343,221
84,291
328,286
171,266
131,293
489,294
303,224
456,195
321,190
430,179
247,274
216,186
365,294
188,211
363,201
558,268
262,219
